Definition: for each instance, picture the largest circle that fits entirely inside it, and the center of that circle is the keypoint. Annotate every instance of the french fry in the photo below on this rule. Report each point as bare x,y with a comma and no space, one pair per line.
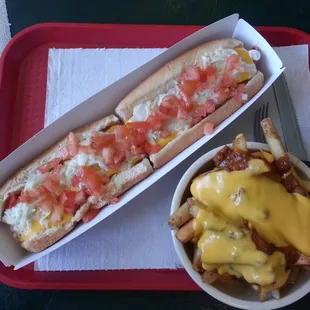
193,208
303,260
293,276
273,139
282,160
209,277
180,216
197,265
186,232
239,144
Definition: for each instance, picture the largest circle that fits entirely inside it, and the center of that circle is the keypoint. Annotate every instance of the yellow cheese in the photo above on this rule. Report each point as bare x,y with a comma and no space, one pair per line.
36,227
242,77
281,218
244,55
111,129
164,141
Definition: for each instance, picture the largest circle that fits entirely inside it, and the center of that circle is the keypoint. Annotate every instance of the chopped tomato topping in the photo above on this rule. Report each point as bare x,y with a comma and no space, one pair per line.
50,165
80,198
122,132
195,120
155,123
87,176
75,181
59,168
47,203
208,128
98,140
52,183
221,95
139,126
188,87
210,106
67,198
86,149
11,201
73,145
35,193
107,154
25,197
136,150
201,110
191,73
182,113
71,149
91,214
113,200
152,148
165,133
232,63
119,157
159,115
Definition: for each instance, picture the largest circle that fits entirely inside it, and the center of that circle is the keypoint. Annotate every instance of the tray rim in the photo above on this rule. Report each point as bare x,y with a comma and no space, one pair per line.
67,285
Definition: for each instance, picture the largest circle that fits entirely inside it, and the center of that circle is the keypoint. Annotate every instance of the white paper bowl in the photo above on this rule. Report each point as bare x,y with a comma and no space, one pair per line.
237,295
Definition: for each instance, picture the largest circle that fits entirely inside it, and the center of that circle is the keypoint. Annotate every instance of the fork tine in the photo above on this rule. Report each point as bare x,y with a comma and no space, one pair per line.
255,128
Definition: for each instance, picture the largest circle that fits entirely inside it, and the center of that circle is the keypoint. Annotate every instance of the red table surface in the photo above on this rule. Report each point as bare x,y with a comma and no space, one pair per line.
23,74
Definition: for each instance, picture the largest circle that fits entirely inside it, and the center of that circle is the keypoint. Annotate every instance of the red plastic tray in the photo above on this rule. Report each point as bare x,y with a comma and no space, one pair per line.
23,72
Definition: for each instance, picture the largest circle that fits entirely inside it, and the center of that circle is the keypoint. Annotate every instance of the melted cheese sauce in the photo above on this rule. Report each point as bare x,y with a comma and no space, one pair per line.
36,226
279,217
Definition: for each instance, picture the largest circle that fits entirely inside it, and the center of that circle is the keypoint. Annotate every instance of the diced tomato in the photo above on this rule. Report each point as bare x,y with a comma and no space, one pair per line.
113,200
75,181
188,87
59,168
195,120
122,131
99,141
58,212
73,144
208,128
67,198
182,113
80,198
165,133
201,110
152,148
86,149
232,63
107,154
11,201
159,115
239,92
119,157
136,150
71,149
155,123
52,183
221,95
91,214
192,73
114,167
210,106
25,197
87,176
35,193
139,126
208,75
50,165
47,203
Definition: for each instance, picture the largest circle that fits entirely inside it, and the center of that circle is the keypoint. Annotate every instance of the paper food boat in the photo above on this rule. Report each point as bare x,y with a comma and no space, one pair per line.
104,102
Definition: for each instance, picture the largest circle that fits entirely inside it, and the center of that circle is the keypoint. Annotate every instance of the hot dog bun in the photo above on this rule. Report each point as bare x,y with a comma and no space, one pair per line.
119,183
165,79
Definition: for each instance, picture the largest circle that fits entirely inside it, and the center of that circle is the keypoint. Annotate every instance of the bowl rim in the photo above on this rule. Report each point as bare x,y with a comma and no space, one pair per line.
290,298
